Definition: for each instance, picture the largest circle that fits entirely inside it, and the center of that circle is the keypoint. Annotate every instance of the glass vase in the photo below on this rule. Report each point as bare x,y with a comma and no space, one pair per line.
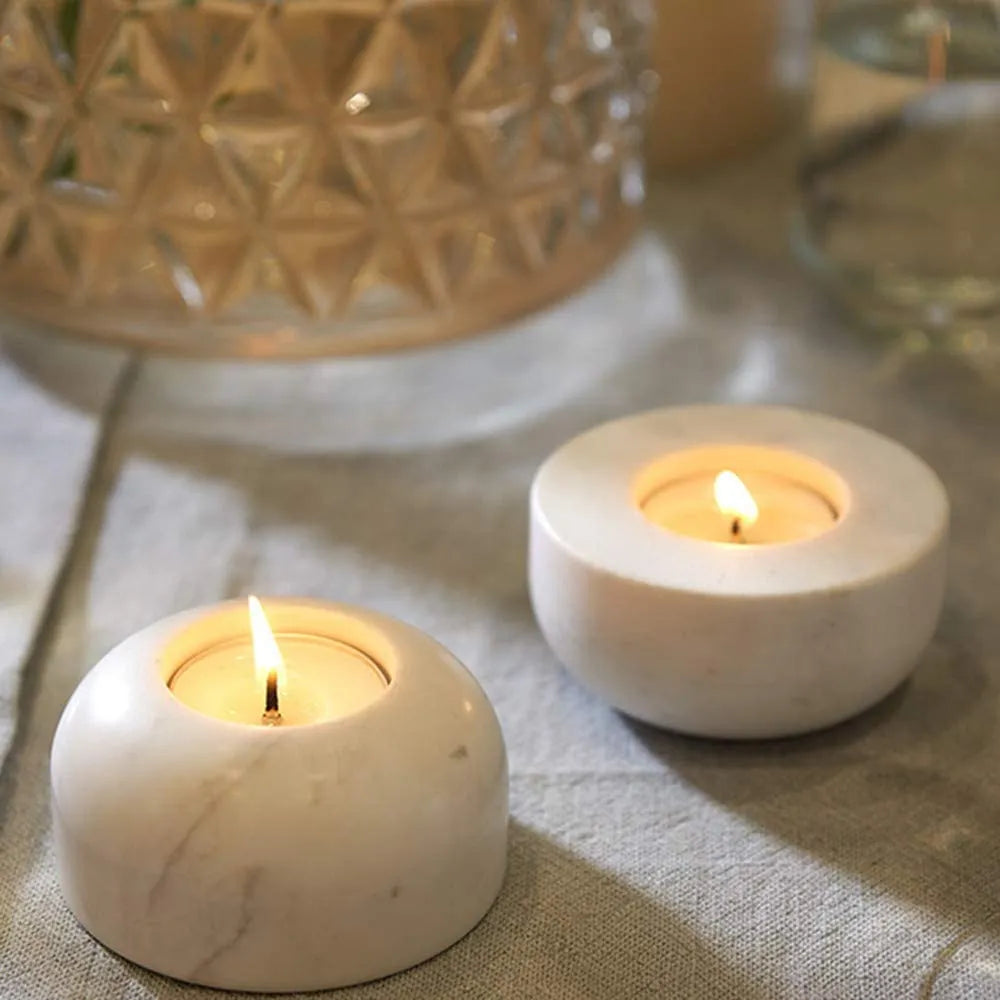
243,178
898,182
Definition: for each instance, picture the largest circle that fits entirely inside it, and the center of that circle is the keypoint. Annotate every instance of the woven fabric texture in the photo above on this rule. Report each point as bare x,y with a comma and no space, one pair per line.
863,862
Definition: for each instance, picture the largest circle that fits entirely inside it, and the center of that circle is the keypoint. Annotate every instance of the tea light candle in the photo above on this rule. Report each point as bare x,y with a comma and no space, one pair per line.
754,508
315,677
737,572
303,797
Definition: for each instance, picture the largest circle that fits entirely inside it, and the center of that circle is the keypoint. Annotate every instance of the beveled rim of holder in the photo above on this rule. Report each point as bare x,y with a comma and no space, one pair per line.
870,479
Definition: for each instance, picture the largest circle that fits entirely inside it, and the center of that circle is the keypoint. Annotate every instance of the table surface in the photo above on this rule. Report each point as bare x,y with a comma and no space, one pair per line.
860,862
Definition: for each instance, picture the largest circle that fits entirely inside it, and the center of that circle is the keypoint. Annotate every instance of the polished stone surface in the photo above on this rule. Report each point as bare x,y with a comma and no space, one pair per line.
737,641
279,857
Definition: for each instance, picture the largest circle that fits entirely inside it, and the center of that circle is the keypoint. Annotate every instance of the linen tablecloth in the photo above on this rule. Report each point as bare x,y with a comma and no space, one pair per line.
860,862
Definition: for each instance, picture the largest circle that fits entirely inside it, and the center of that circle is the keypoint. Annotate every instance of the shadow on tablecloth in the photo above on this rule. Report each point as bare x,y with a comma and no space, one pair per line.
905,798
562,929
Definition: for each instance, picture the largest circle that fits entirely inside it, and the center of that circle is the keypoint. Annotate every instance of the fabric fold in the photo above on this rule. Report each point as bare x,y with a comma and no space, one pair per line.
48,450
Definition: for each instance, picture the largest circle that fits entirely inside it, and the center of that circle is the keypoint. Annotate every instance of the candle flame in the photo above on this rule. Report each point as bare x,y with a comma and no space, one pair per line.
734,499
267,657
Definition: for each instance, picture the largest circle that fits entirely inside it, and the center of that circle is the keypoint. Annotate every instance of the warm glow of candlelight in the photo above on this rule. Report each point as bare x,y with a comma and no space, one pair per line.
734,500
267,657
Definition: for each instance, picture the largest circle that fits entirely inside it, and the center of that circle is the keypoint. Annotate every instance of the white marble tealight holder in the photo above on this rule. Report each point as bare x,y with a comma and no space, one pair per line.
356,832
796,602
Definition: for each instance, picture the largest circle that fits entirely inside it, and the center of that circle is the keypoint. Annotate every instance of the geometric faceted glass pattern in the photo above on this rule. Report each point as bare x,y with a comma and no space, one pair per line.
312,176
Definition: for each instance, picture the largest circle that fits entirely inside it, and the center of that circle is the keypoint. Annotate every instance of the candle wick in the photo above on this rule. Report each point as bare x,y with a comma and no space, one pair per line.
272,715
736,530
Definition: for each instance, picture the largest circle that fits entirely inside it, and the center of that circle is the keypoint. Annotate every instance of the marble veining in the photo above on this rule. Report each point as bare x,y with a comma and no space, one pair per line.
246,913
208,808
332,819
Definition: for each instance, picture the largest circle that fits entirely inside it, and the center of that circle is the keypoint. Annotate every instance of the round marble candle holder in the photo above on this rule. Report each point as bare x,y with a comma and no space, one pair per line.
279,858
737,641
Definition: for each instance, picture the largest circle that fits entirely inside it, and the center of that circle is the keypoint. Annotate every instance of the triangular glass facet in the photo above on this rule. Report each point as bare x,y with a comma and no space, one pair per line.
259,80
504,67
187,184
133,76
392,77
262,161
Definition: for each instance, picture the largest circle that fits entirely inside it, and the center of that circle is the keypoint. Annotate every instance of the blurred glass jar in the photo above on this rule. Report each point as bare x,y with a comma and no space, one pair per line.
297,177
899,208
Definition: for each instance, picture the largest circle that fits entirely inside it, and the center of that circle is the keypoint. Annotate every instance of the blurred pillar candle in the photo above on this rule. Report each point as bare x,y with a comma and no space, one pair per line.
719,90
